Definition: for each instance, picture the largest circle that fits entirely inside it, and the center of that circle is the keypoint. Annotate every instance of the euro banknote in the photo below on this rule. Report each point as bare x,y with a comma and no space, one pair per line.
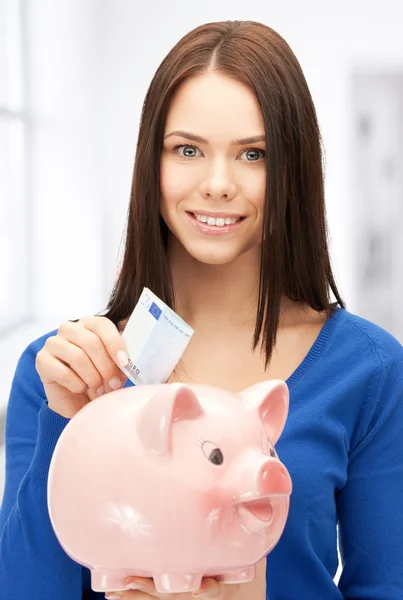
155,337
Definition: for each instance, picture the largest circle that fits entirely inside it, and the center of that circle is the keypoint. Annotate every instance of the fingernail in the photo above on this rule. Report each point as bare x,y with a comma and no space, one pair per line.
122,358
115,383
112,596
101,390
134,586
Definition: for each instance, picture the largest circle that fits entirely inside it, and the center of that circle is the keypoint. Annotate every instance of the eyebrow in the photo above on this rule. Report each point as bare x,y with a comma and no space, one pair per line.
201,140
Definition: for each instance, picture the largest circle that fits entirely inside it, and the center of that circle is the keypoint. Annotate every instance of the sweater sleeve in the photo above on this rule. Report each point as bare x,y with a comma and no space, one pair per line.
33,565
370,505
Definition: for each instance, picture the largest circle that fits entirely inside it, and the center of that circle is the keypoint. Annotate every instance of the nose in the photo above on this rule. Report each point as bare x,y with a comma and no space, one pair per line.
274,479
218,187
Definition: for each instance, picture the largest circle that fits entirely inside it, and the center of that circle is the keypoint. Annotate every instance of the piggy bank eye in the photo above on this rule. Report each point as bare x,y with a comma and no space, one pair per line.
272,453
216,457
212,453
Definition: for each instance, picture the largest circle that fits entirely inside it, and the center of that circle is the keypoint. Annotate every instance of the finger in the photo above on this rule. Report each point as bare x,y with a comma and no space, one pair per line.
128,595
54,371
135,595
210,588
92,352
109,333
148,586
72,365
114,346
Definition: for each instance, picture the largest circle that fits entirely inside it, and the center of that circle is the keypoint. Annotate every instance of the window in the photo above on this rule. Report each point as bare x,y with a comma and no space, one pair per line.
15,215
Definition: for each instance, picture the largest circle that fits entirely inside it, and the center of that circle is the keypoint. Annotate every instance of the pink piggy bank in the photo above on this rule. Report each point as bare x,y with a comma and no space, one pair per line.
173,482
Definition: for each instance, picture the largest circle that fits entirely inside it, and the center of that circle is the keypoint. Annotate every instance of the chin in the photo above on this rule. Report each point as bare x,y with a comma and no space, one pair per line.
210,251
209,259
213,255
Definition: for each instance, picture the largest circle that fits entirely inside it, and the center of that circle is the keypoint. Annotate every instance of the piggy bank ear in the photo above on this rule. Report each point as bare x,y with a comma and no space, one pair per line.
271,400
155,420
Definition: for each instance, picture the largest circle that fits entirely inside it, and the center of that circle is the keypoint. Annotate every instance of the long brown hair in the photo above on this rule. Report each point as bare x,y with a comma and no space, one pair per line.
294,256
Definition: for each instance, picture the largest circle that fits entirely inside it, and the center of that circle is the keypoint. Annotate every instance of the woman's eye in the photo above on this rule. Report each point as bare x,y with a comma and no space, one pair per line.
253,152
185,146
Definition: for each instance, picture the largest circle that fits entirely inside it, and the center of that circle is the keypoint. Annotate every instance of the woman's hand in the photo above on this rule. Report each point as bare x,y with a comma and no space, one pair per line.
80,363
144,589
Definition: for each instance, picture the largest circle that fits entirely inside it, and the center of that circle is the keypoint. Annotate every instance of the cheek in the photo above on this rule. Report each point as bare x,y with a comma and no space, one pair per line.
206,479
255,191
214,498
175,182
165,192
258,202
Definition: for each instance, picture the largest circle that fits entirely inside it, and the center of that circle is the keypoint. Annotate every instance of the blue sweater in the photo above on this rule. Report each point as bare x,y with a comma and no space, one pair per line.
343,447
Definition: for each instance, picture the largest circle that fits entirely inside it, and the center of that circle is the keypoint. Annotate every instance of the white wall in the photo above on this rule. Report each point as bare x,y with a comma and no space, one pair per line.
65,91
65,103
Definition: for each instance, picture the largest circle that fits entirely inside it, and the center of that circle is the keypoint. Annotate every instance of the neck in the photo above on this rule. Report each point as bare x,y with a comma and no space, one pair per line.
220,297
211,297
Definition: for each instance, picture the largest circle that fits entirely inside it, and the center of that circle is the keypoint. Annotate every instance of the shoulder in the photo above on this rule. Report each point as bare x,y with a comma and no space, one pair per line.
27,390
365,356
370,340
26,364
367,365
376,357
36,345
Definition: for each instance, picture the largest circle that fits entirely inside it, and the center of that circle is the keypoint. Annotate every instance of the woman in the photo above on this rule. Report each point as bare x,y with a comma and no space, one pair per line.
227,225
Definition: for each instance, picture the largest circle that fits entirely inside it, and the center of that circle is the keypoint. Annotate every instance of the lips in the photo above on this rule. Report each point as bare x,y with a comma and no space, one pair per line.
214,230
216,215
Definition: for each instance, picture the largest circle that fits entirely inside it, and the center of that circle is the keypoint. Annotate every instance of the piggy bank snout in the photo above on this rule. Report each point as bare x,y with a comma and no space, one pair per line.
273,479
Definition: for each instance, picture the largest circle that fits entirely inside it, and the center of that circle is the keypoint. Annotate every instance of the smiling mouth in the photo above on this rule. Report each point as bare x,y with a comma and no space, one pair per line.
219,222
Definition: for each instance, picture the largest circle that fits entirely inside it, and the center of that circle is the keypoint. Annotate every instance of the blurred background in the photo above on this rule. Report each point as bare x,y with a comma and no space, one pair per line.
73,76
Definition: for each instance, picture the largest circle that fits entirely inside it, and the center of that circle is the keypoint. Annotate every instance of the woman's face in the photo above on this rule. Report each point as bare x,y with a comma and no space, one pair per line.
214,177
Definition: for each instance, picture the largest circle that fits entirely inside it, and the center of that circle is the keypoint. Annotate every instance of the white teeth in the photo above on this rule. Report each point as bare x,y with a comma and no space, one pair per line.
219,222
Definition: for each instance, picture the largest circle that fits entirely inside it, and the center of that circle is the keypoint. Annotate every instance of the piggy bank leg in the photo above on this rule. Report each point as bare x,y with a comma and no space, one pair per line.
176,583
238,575
103,580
